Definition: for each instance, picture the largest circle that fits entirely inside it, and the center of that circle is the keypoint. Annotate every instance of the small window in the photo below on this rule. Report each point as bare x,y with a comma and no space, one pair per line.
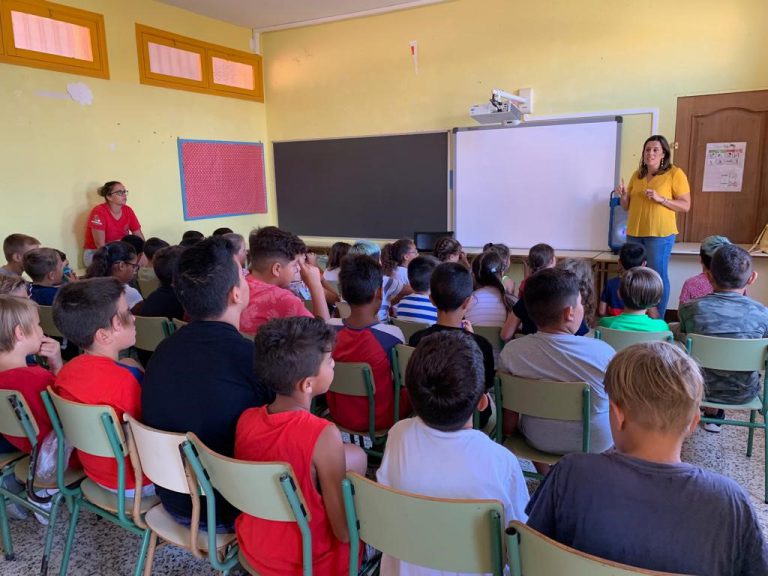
173,61
47,35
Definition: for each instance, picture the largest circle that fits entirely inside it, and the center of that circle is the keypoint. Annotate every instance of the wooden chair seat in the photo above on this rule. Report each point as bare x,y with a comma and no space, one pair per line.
520,448
166,527
107,500
22,469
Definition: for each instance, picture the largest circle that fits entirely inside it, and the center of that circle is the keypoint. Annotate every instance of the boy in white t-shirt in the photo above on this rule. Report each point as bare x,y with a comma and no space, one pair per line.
438,453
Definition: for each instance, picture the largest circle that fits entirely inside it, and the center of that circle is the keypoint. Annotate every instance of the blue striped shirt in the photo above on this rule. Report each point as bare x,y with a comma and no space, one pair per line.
417,308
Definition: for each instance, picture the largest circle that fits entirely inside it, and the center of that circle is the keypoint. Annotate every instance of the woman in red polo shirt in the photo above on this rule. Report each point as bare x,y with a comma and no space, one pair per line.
110,221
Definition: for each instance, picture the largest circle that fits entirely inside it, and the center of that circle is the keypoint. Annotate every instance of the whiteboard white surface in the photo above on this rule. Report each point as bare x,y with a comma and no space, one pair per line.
536,183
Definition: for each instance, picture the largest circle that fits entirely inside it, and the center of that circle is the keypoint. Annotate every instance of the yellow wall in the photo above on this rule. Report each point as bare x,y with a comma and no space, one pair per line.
54,153
356,77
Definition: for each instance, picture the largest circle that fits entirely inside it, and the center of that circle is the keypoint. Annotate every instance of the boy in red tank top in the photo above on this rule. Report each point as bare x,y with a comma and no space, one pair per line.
293,358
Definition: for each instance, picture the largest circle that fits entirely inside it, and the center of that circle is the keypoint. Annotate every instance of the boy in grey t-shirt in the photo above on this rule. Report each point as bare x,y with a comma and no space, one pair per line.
640,505
727,313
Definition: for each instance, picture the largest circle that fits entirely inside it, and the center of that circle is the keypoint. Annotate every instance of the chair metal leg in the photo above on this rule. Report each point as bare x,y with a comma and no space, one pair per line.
6,530
142,553
765,458
70,538
55,504
150,554
751,435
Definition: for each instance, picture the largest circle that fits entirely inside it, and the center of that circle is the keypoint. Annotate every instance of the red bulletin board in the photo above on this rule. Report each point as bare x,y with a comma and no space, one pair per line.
221,178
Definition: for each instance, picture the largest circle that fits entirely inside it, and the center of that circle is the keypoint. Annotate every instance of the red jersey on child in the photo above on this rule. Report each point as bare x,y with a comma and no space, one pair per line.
266,302
30,381
274,548
98,380
373,345
101,218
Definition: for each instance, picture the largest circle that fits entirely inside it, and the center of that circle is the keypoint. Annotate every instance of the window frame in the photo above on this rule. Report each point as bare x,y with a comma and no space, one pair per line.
146,34
94,22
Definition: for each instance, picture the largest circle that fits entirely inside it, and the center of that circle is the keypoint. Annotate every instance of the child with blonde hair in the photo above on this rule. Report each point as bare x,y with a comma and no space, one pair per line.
21,336
667,506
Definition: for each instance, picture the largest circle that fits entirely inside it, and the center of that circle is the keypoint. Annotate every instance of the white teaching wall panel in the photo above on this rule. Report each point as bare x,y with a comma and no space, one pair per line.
536,182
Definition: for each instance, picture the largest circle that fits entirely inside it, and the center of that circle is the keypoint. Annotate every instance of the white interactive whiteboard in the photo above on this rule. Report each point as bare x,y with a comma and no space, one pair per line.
536,182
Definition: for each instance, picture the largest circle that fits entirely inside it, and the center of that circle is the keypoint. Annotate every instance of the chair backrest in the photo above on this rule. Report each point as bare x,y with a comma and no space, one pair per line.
545,398
256,488
13,411
309,305
439,533
408,327
179,323
46,322
401,356
731,354
150,332
620,339
353,379
490,333
147,285
159,455
343,309
84,426
533,554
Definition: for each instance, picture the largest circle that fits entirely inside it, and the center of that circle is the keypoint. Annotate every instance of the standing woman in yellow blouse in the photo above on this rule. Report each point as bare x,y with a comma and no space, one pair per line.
655,193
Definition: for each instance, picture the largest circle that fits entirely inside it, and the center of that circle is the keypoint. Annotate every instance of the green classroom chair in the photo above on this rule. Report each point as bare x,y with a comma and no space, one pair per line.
400,356
47,323
96,430
159,455
530,553
356,379
147,285
737,355
439,533
490,333
620,339
409,328
16,419
265,490
150,331
543,399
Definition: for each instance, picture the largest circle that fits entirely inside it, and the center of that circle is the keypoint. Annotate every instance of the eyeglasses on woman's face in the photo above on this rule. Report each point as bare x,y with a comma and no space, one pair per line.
119,193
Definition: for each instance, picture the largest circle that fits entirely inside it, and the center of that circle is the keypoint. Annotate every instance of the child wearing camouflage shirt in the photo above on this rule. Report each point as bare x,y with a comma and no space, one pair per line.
727,313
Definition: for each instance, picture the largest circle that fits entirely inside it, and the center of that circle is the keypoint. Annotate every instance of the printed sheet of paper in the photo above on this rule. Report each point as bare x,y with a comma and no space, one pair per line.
724,166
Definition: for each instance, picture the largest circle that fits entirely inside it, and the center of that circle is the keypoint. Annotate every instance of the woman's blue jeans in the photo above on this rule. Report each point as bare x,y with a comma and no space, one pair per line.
657,252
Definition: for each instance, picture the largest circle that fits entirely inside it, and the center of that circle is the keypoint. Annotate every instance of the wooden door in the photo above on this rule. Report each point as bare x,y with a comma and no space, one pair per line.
734,117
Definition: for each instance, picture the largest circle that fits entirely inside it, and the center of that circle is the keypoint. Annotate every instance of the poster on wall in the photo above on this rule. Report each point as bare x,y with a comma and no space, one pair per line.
724,166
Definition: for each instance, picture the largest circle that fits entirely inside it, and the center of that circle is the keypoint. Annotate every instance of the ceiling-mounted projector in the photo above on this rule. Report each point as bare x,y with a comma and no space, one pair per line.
502,108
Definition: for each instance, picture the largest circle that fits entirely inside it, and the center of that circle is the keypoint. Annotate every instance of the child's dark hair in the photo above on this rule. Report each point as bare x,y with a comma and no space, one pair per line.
82,308
446,247
221,231
420,272
731,267
359,279
107,256
388,263
501,249
205,274
166,262
547,293
135,241
487,270
641,288
450,286
191,237
539,257
400,249
631,255
445,379
38,263
15,243
271,244
152,245
338,251
287,350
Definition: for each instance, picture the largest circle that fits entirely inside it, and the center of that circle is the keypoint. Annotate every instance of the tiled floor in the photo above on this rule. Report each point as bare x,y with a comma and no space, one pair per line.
105,550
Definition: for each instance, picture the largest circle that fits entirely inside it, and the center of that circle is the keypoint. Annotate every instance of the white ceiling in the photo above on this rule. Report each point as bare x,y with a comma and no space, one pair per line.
265,15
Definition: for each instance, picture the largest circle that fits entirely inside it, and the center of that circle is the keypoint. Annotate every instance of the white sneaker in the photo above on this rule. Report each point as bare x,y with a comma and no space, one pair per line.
712,427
